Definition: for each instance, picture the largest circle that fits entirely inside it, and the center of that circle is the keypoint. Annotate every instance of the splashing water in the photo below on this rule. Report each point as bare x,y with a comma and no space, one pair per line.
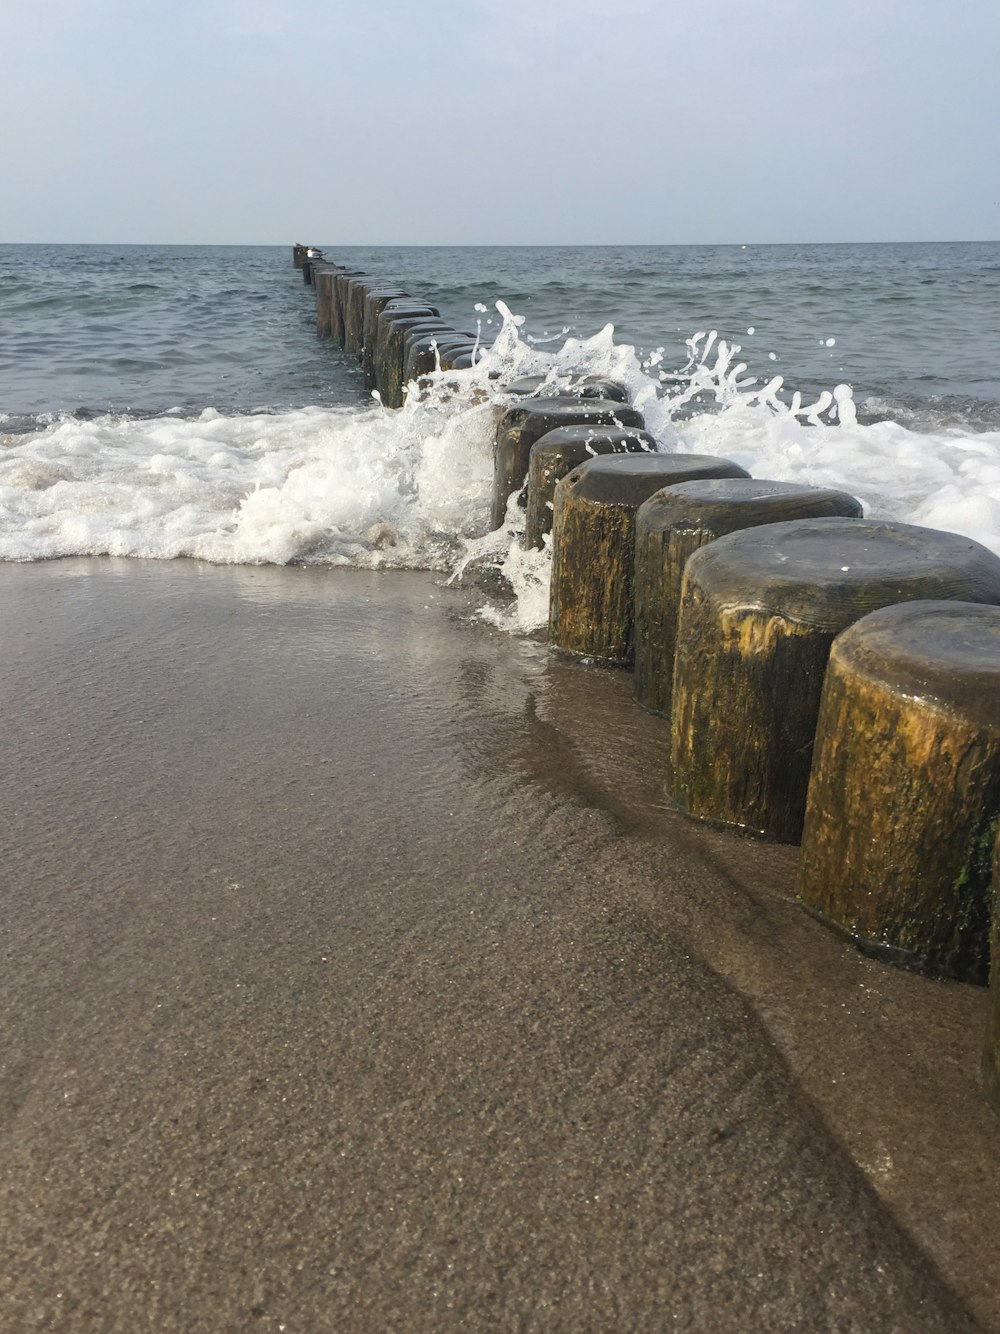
366,486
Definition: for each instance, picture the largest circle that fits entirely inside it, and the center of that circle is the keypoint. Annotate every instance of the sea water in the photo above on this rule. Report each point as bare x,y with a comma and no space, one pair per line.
168,402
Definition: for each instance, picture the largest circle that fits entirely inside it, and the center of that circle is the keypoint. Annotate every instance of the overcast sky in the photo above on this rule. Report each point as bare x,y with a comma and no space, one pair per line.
499,121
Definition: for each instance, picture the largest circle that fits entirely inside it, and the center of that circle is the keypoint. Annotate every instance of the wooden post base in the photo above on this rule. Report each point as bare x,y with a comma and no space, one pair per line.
593,546
671,526
905,789
759,612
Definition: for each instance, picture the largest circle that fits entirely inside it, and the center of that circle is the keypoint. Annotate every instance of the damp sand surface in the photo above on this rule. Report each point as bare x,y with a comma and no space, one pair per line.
357,976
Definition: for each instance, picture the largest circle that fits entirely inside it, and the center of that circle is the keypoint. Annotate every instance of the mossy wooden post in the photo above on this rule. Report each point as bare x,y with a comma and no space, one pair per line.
422,351
375,301
530,419
991,1046
354,310
593,546
323,276
759,611
338,303
675,523
391,326
901,816
557,453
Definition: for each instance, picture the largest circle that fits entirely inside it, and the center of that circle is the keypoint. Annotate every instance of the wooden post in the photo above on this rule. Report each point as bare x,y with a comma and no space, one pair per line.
338,303
557,453
375,301
593,546
675,523
458,358
575,386
323,276
991,1046
354,311
901,816
392,324
759,611
422,351
528,421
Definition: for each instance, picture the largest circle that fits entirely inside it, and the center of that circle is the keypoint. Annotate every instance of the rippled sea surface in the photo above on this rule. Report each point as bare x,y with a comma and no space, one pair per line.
915,329
177,402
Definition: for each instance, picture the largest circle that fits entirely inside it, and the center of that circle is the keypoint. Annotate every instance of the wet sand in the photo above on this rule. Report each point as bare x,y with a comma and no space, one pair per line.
357,977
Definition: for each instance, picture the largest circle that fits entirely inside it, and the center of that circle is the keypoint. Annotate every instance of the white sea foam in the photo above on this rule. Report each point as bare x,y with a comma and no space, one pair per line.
372,487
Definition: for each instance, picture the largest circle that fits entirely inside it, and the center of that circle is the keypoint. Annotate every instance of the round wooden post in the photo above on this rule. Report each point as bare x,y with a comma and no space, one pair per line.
323,276
392,324
991,1046
576,386
593,546
354,309
904,796
422,351
338,303
530,419
675,523
759,611
557,453
458,358
375,301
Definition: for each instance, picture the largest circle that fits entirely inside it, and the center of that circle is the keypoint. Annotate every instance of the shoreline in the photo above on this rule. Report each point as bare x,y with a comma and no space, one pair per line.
347,933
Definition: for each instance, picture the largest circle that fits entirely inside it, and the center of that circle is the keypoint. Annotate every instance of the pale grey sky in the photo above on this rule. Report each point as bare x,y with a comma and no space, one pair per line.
499,121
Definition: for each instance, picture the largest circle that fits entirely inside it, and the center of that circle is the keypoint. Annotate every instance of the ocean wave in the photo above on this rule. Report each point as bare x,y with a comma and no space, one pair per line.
366,486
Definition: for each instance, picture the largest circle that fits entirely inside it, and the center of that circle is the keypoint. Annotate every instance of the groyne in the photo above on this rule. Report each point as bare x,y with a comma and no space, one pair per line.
823,674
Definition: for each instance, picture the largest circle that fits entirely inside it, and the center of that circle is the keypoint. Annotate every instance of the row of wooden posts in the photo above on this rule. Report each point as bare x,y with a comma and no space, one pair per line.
396,337
830,680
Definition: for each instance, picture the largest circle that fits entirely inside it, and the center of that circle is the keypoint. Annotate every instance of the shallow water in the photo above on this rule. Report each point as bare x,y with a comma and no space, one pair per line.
348,984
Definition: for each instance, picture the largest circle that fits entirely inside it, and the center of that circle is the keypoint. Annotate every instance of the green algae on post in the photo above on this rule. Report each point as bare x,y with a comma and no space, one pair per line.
759,612
905,789
593,546
678,521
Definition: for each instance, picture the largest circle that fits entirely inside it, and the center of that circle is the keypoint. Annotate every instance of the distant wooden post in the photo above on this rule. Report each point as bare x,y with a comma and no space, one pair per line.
323,276
357,288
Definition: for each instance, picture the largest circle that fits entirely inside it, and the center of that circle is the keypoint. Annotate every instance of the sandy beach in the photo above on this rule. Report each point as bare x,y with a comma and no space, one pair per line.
357,976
